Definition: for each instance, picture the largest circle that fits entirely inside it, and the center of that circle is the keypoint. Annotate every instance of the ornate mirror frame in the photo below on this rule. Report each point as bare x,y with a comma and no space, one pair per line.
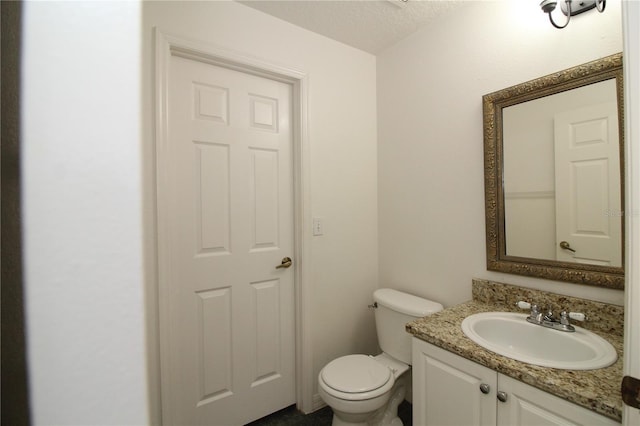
606,68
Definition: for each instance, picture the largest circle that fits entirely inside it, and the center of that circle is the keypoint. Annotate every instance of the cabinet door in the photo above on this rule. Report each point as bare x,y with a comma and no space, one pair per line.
528,406
446,389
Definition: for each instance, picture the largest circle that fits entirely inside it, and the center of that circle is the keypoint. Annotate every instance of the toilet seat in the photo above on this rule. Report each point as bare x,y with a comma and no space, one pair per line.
356,377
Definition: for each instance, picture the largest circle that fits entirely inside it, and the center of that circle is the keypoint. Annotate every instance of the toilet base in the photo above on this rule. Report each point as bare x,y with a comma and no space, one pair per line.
338,421
385,416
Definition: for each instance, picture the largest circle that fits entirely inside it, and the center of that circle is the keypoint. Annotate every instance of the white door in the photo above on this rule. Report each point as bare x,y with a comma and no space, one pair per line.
588,208
227,313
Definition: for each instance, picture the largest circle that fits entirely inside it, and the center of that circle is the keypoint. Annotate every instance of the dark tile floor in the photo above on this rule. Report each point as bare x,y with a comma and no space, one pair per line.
292,417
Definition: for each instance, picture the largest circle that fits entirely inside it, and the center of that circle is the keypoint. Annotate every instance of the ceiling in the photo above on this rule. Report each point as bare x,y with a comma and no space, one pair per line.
369,25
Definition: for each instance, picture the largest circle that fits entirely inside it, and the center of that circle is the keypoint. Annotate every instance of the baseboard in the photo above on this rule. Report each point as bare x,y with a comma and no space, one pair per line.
317,402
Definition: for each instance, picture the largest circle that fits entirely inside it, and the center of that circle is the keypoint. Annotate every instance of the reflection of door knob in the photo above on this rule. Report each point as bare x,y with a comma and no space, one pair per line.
565,245
286,262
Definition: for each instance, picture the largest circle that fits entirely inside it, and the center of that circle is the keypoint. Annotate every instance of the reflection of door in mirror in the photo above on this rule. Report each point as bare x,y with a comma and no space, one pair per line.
540,211
587,165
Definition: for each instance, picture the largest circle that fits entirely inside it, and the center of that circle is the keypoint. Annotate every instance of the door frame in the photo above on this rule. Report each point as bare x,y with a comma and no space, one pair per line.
630,34
166,46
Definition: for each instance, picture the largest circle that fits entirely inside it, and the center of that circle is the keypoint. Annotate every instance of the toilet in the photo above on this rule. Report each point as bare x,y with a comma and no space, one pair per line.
366,390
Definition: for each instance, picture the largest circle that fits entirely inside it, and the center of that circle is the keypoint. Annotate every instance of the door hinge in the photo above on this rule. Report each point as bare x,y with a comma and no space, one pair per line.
631,391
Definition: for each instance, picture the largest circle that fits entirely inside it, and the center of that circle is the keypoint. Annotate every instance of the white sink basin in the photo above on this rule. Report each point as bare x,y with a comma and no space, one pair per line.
510,335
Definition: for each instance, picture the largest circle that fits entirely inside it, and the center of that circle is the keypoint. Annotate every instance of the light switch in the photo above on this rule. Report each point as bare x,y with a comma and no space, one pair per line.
318,228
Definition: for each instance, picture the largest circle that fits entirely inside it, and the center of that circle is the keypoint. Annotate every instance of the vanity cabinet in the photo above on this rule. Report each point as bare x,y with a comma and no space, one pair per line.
451,390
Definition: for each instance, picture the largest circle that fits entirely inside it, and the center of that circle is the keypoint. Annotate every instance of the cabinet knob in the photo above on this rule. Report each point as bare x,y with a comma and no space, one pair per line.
485,388
502,396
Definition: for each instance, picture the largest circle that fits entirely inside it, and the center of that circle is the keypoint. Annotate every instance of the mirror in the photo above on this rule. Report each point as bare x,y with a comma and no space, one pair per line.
554,168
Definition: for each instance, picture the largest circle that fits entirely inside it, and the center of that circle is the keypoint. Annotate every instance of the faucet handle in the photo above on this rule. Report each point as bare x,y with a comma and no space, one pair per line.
535,315
578,316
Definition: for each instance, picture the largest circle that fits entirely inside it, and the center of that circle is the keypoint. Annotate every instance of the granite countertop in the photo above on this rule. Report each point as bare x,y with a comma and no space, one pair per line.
598,390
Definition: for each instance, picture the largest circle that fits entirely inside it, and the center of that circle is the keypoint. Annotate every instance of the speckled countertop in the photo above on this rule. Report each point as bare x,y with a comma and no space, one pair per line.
598,390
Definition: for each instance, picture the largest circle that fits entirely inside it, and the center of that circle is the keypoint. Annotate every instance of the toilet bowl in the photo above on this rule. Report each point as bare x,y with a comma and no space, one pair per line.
359,387
364,390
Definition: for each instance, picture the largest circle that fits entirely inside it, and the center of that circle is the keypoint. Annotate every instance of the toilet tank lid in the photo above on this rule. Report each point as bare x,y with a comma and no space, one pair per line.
405,303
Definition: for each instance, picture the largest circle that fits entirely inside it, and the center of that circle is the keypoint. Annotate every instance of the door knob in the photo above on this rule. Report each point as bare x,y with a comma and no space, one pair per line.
286,262
485,388
502,396
631,391
565,245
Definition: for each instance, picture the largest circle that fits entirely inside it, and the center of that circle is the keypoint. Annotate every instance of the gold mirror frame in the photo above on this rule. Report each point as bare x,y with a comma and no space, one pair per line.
497,260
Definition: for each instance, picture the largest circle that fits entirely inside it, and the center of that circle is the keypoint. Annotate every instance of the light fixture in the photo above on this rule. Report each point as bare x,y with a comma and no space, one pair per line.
570,8
400,4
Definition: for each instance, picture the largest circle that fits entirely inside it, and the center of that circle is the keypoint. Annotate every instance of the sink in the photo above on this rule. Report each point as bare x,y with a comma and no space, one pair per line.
509,334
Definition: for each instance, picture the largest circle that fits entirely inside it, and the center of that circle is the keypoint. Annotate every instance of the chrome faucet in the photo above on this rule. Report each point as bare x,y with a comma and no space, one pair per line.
549,316
535,315
549,320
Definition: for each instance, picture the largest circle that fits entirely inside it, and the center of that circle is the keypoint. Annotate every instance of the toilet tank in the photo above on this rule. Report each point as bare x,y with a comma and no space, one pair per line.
394,310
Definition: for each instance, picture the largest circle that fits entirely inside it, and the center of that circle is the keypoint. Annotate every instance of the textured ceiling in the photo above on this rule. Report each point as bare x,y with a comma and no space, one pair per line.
369,25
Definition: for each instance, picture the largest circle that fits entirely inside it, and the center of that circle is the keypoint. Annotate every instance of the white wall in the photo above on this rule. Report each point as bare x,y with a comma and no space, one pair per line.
82,213
430,139
342,137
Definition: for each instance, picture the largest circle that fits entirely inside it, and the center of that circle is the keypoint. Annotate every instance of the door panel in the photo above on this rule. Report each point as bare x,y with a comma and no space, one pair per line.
212,198
214,329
